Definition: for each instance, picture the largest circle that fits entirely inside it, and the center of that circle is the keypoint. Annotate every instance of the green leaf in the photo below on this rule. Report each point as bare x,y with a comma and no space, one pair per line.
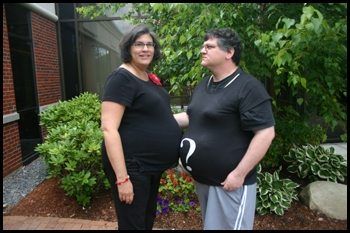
288,158
264,192
279,211
276,37
264,197
282,43
293,168
323,174
266,204
290,185
288,23
300,101
308,11
182,39
315,167
303,170
284,204
189,54
274,198
316,24
303,82
275,175
268,178
341,178
71,165
322,158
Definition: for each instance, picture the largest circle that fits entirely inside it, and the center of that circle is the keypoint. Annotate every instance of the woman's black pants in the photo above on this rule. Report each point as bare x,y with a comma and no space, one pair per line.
141,213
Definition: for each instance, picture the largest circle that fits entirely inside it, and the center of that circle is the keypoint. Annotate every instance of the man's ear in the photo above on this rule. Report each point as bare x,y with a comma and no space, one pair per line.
229,54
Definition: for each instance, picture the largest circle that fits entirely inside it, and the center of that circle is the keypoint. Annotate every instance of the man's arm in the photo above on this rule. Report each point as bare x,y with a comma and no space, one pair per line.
256,151
182,119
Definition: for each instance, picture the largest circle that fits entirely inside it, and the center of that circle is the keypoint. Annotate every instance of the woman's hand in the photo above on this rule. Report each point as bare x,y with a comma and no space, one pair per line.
126,192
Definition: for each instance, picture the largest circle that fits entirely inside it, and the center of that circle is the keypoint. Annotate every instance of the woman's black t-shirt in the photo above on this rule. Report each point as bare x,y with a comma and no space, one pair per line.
149,133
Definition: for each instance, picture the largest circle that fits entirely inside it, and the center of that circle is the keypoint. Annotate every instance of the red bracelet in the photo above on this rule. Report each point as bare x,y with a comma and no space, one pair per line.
122,182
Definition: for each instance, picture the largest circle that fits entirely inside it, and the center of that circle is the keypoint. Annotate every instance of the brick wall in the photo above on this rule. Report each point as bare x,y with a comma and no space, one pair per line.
11,149
8,93
46,60
47,72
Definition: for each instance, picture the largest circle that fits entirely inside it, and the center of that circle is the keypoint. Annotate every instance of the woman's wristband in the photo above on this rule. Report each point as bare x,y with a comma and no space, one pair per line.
122,182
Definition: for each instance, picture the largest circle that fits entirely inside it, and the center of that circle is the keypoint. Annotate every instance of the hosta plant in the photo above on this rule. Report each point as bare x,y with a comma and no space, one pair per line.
316,163
274,195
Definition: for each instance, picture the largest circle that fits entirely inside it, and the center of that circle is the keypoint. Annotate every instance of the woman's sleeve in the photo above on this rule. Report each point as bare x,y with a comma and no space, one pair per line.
120,89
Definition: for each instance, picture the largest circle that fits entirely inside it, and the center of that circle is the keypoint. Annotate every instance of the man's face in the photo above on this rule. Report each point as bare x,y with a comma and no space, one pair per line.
212,55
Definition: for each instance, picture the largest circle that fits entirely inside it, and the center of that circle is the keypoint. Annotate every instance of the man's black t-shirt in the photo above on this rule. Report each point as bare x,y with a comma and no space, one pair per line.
149,133
222,120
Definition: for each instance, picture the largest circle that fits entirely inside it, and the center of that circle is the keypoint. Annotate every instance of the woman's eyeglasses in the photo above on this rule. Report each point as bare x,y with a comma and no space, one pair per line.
141,45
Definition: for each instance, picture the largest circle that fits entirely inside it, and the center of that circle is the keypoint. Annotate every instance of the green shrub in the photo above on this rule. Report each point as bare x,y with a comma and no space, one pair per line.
85,106
291,132
274,195
72,148
316,163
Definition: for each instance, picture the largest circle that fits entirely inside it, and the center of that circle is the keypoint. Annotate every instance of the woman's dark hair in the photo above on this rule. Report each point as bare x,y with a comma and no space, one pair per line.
129,39
227,39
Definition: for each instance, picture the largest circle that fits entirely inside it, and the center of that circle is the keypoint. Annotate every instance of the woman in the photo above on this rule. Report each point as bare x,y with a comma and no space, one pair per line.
141,136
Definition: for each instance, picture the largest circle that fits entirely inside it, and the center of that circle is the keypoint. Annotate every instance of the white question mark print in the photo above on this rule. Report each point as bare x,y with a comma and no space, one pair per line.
190,151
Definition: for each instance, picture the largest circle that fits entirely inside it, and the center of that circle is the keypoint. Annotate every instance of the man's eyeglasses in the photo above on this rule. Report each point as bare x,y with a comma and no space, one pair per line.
208,47
141,45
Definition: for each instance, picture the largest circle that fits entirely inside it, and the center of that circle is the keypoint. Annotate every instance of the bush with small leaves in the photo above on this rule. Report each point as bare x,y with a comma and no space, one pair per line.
85,106
72,147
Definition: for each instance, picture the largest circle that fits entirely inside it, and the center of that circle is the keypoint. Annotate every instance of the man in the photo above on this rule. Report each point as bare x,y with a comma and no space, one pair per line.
230,128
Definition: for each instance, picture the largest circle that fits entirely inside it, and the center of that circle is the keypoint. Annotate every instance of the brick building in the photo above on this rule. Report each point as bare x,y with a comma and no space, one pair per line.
49,54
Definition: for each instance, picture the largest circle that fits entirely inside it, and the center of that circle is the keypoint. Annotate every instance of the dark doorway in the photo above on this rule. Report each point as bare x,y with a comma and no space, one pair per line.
20,40
69,58
69,50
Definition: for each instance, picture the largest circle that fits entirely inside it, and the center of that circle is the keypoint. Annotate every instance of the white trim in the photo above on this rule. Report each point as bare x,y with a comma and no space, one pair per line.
241,209
43,12
227,83
209,81
10,118
232,80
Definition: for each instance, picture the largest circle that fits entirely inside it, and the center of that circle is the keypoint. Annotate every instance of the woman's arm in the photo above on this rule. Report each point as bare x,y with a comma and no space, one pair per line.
111,115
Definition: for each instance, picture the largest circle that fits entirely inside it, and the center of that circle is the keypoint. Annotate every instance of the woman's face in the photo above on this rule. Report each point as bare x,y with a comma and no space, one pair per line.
142,51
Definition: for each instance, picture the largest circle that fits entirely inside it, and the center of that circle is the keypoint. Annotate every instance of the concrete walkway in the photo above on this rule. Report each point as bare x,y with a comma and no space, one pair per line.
54,223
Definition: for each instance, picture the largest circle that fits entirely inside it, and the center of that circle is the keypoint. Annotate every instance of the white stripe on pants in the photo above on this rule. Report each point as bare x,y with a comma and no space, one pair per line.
223,210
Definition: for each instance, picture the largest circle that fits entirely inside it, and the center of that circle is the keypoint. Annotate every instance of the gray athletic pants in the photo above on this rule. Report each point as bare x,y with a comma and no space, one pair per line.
227,210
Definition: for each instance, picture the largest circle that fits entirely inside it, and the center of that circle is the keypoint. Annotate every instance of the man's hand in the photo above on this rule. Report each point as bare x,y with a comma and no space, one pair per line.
233,181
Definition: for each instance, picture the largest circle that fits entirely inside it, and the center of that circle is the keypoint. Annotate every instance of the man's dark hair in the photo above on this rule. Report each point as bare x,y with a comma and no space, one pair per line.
129,39
227,39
